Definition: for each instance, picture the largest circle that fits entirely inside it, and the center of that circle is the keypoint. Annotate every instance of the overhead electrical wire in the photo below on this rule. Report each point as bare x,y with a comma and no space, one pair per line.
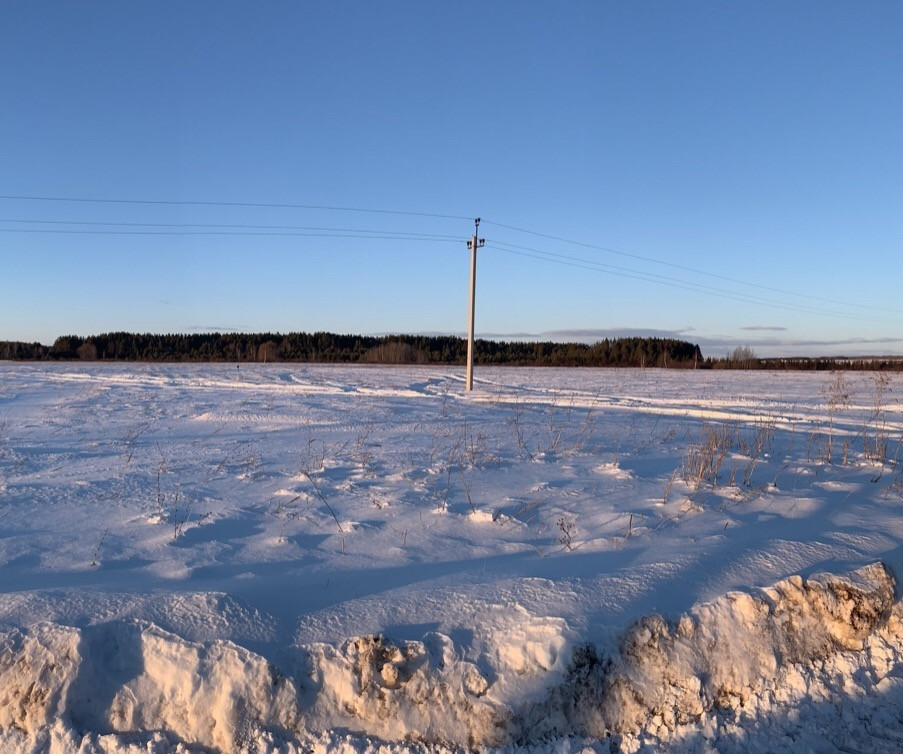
192,203
230,226
661,280
221,229
636,274
211,229
425,239
685,268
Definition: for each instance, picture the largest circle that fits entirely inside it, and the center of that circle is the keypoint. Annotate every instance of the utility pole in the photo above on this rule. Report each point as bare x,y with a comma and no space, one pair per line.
473,244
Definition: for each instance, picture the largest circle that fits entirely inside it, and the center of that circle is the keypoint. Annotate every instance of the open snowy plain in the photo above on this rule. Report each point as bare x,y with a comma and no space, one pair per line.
287,558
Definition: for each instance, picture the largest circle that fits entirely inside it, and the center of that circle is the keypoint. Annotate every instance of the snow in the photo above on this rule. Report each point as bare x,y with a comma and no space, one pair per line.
287,558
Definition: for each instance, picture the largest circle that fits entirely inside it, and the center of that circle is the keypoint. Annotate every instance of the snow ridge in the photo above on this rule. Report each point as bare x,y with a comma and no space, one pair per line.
735,655
714,657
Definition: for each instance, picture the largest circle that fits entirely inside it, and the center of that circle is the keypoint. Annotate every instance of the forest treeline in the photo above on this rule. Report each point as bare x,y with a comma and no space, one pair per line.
355,349
322,347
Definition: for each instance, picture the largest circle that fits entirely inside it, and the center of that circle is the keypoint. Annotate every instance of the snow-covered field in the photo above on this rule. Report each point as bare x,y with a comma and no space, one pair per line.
288,558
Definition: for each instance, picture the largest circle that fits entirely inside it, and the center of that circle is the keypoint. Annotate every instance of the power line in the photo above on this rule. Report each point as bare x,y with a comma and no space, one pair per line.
373,233
635,274
425,239
186,229
660,280
189,203
686,268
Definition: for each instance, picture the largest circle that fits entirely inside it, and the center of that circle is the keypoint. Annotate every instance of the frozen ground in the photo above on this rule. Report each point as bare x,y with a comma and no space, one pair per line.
291,558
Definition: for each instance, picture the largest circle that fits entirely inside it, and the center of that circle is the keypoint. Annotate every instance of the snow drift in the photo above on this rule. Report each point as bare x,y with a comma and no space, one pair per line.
59,683
715,657
130,676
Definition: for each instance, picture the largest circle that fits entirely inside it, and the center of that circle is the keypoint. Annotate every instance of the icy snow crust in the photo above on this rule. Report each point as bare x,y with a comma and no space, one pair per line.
289,558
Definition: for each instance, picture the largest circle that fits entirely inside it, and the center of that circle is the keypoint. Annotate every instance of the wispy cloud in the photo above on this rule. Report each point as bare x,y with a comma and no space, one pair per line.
506,335
764,328
791,342
217,328
777,346
589,334
616,332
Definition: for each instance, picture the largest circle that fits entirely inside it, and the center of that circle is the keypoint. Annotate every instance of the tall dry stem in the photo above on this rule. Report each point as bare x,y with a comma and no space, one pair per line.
837,394
703,460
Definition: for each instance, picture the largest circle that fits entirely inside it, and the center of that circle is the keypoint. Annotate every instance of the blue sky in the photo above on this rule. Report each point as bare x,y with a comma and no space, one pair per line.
730,172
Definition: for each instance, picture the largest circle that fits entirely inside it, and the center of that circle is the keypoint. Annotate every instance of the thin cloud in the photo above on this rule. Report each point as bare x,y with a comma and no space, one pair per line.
505,335
616,332
217,328
765,346
796,342
764,328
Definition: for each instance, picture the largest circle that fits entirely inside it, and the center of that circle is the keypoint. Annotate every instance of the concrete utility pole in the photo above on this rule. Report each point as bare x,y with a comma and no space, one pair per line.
473,244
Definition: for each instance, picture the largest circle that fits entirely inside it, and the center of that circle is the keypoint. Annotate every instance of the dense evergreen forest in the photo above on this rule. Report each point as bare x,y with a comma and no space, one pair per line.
355,349
329,348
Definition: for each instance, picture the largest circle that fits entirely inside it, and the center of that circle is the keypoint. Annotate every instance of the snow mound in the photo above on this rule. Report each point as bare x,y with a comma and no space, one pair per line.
715,657
410,691
128,685
129,676
36,671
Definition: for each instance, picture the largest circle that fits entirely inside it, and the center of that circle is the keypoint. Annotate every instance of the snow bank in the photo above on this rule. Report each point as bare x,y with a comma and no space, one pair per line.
130,676
413,691
97,688
717,656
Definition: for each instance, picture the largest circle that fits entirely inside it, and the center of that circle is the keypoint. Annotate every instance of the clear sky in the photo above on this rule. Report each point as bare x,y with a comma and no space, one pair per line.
731,172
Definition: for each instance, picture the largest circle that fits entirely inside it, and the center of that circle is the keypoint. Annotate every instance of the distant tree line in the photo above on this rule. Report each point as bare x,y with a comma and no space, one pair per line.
814,364
356,349
743,357
322,347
